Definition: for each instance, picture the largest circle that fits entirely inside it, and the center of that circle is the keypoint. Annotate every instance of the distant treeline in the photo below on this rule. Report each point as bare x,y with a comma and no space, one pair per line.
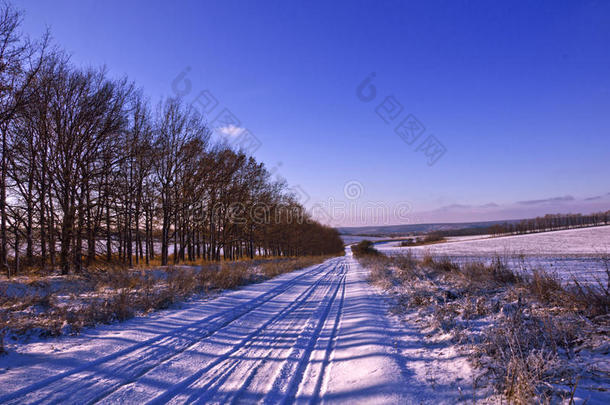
90,172
432,237
549,222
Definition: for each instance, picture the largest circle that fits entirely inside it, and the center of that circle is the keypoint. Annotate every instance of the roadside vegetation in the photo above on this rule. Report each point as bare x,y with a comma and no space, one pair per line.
42,306
364,248
428,239
532,338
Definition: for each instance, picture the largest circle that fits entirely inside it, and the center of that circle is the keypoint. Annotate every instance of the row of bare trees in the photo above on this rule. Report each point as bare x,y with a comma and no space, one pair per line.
90,172
551,222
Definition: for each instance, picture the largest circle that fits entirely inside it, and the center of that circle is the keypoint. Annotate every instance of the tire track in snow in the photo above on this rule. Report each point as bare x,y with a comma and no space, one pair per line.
244,343
139,363
304,338
274,352
315,396
115,391
286,385
220,366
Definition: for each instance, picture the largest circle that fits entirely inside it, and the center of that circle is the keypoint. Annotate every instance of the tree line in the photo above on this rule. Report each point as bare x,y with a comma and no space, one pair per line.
549,222
90,172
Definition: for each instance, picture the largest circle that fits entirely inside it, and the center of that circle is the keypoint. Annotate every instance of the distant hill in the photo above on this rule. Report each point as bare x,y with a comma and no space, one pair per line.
402,230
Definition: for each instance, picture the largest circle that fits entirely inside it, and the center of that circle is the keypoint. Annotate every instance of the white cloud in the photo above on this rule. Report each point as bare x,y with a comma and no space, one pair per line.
231,130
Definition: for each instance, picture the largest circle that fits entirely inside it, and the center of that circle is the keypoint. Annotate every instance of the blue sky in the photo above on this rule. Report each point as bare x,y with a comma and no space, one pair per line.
518,93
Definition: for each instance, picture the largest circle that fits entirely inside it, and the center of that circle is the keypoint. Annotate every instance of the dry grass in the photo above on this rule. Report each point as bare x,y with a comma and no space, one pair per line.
226,275
524,352
546,287
114,293
535,323
594,298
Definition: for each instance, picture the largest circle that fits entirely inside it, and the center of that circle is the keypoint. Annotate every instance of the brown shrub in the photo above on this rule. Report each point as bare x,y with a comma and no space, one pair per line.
181,282
421,298
364,248
593,299
496,273
474,308
523,350
381,275
230,275
121,306
407,266
427,260
443,265
544,286
445,316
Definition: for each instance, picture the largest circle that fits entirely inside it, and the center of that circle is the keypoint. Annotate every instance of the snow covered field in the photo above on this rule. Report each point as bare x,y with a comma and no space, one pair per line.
348,239
320,334
575,253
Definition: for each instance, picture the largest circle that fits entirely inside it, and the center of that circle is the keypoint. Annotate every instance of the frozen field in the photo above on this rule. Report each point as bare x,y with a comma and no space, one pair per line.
576,253
348,239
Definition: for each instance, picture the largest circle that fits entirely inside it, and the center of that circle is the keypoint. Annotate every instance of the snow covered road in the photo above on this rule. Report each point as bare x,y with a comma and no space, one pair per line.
319,334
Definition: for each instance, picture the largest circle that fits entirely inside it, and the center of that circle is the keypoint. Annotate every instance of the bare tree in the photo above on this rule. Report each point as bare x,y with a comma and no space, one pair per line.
89,170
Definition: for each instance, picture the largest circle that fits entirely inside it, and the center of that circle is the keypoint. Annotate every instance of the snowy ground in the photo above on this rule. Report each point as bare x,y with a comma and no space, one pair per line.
576,253
349,239
320,334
